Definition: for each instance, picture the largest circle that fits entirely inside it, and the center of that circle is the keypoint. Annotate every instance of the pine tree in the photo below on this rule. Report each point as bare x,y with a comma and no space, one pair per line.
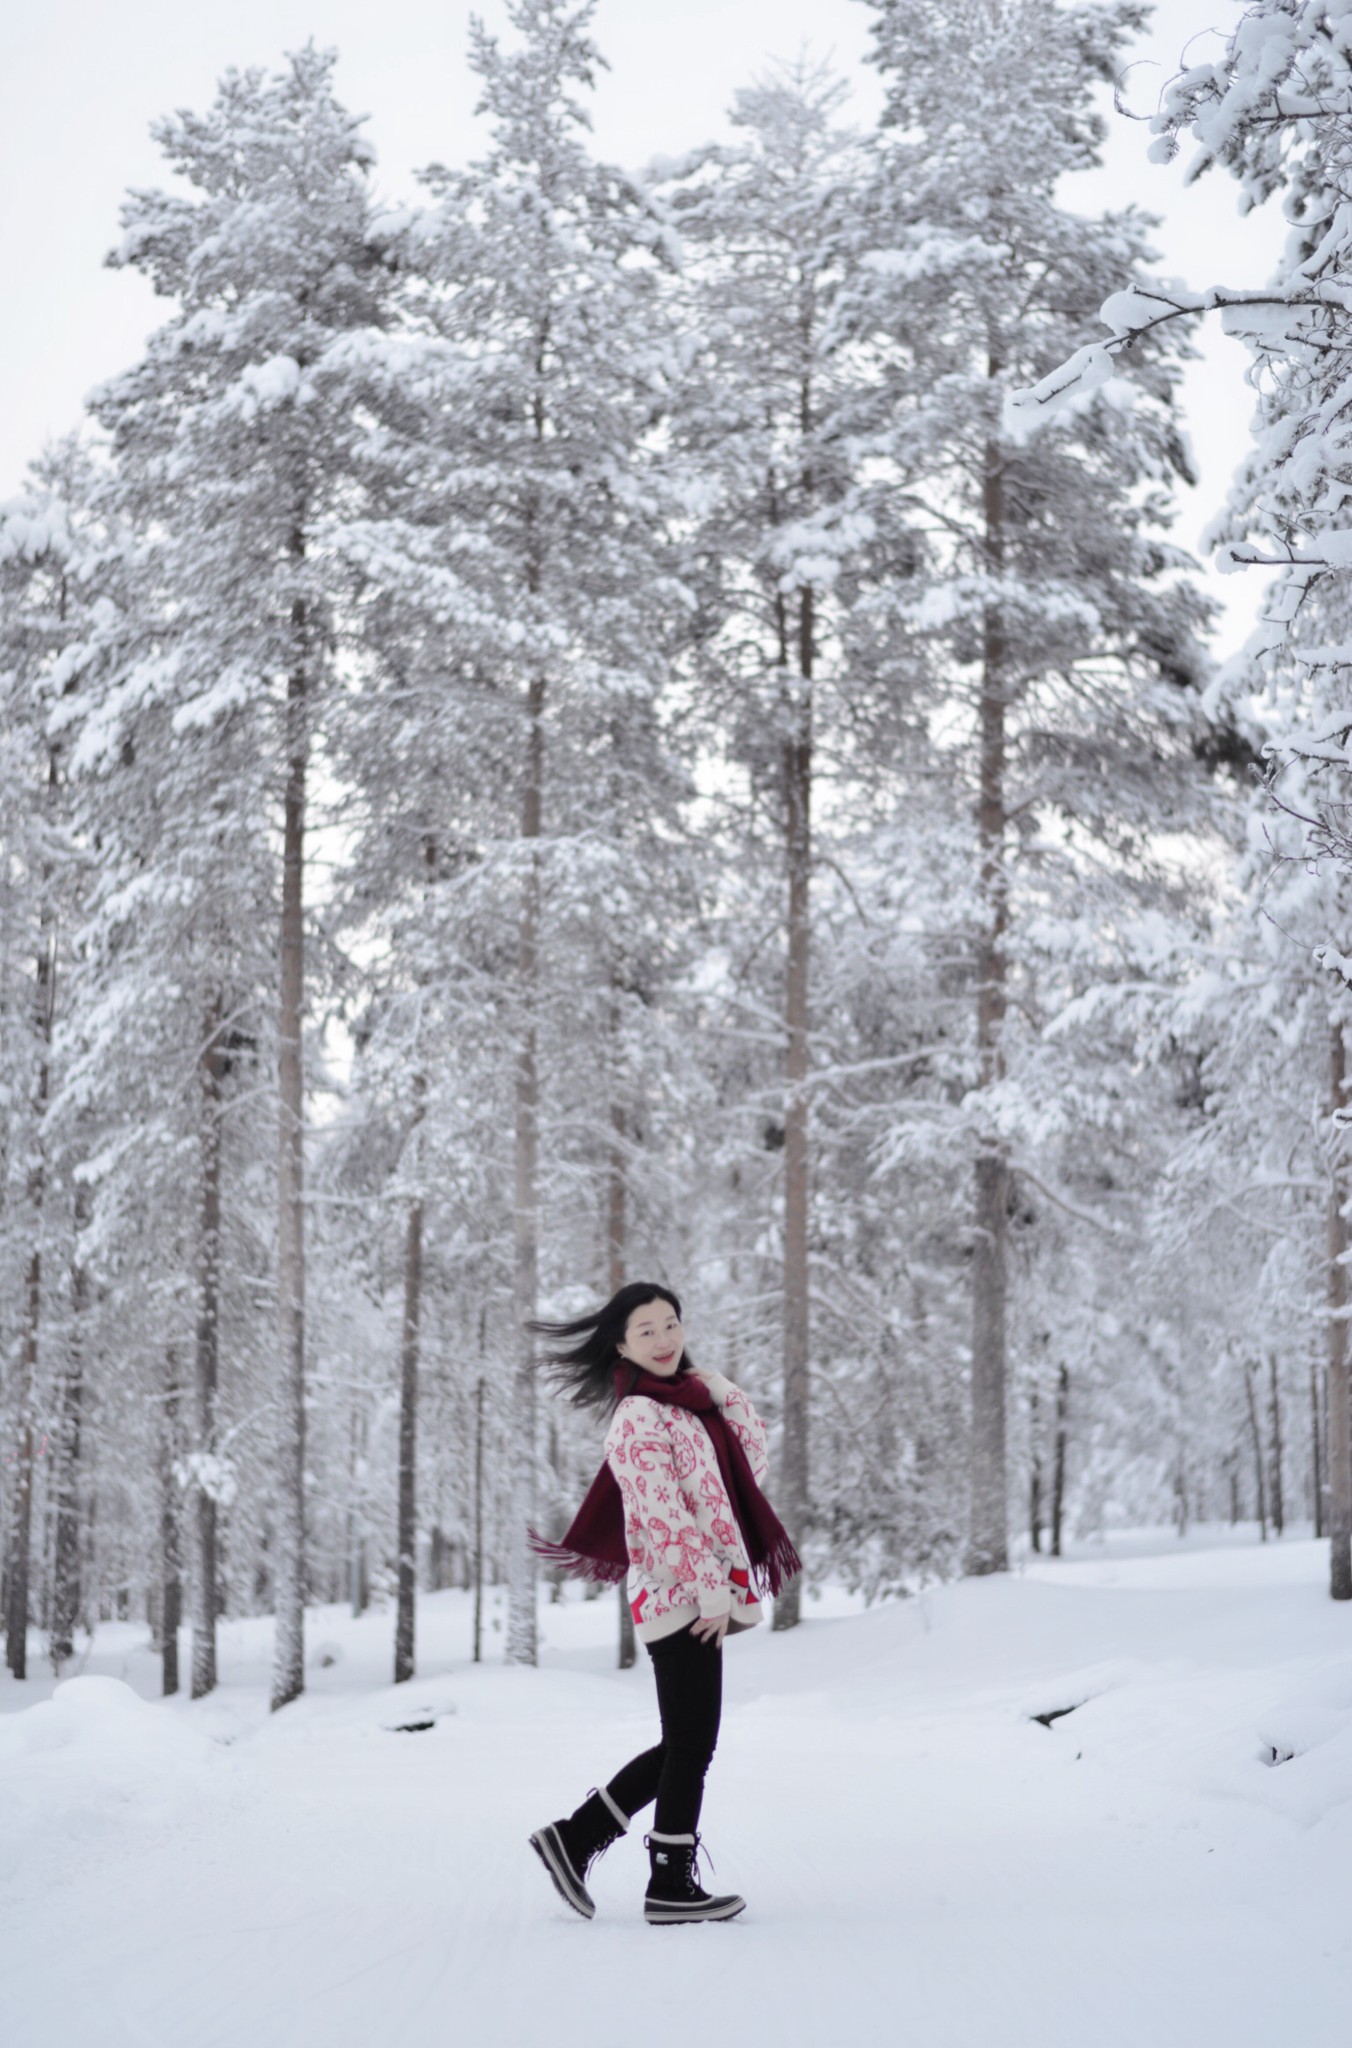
541,270
1043,582
1272,110
765,423
237,436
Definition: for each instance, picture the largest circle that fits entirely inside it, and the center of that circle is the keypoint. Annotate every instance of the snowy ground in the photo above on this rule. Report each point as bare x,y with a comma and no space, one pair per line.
925,1863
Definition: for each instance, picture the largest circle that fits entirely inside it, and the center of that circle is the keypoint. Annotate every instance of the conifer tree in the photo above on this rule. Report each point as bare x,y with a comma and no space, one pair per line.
765,426
1272,110
44,619
235,439
1043,581
541,271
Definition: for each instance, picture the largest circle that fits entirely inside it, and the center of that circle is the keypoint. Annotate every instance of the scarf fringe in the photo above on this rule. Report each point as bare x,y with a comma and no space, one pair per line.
779,1567
597,1569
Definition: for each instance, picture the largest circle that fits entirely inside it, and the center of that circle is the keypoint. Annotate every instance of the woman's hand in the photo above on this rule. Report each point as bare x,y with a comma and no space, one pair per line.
711,1628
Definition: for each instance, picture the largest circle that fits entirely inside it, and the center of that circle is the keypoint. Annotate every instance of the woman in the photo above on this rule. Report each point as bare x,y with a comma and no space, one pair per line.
677,1506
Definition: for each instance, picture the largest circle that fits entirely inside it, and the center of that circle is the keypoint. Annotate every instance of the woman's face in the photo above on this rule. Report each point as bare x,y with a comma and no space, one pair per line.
653,1339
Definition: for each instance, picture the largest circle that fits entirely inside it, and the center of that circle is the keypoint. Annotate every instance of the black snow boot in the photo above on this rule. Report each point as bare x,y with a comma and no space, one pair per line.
674,1895
568,1848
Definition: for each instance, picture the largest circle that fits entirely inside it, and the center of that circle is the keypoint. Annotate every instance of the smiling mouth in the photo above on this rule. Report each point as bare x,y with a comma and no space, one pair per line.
664,1357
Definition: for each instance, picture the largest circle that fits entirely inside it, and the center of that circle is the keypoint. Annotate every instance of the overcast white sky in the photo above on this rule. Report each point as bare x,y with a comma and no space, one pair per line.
80,80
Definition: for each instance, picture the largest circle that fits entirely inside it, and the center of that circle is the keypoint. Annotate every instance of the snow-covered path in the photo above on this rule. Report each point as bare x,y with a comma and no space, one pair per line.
924,1861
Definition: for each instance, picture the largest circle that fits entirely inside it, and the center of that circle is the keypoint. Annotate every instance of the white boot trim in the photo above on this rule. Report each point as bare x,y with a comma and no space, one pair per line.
622,1818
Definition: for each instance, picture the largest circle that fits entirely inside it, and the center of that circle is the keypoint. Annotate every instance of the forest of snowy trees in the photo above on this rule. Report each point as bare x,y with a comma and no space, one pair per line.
601,726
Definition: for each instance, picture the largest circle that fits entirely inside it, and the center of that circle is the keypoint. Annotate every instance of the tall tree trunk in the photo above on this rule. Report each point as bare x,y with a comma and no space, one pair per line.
408,1443
1316,1453
521,1627
798,765
617,1201
988,1540
358,1572
478,1520
1338,1437
408,1407
410,1361
201,1499
18,1547
1181,1507
1256,1439
1035,1477
1275,1441
171,1581
1059,1456
66,1476
288,1671
617,1223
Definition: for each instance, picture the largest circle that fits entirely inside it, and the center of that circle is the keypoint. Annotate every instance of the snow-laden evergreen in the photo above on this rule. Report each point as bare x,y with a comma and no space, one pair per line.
578,724
1273,111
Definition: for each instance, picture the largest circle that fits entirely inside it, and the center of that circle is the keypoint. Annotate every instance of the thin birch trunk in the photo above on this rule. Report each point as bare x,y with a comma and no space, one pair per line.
988,1538
206,1358
288,1672
1338,1437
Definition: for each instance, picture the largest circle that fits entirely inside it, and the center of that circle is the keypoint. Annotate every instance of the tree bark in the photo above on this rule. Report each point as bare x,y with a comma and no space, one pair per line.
18,1548
1338,1436
408,1428
617,1222
1059,1457
1316,1452
171,1582
1035,1478
66,1477
1275,1447
798,767
1256,1439
358,1573
617,1201
521,1645
988,1541
288,1672
408,1446
206,1359
478,1521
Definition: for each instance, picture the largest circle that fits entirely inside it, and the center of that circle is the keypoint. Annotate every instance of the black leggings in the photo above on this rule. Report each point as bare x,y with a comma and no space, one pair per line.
689,1677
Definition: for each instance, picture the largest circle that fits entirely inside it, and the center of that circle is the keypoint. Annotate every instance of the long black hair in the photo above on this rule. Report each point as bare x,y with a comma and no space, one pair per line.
585,1371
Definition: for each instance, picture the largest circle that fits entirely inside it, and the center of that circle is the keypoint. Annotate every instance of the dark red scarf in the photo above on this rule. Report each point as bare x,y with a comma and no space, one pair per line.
594,1547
